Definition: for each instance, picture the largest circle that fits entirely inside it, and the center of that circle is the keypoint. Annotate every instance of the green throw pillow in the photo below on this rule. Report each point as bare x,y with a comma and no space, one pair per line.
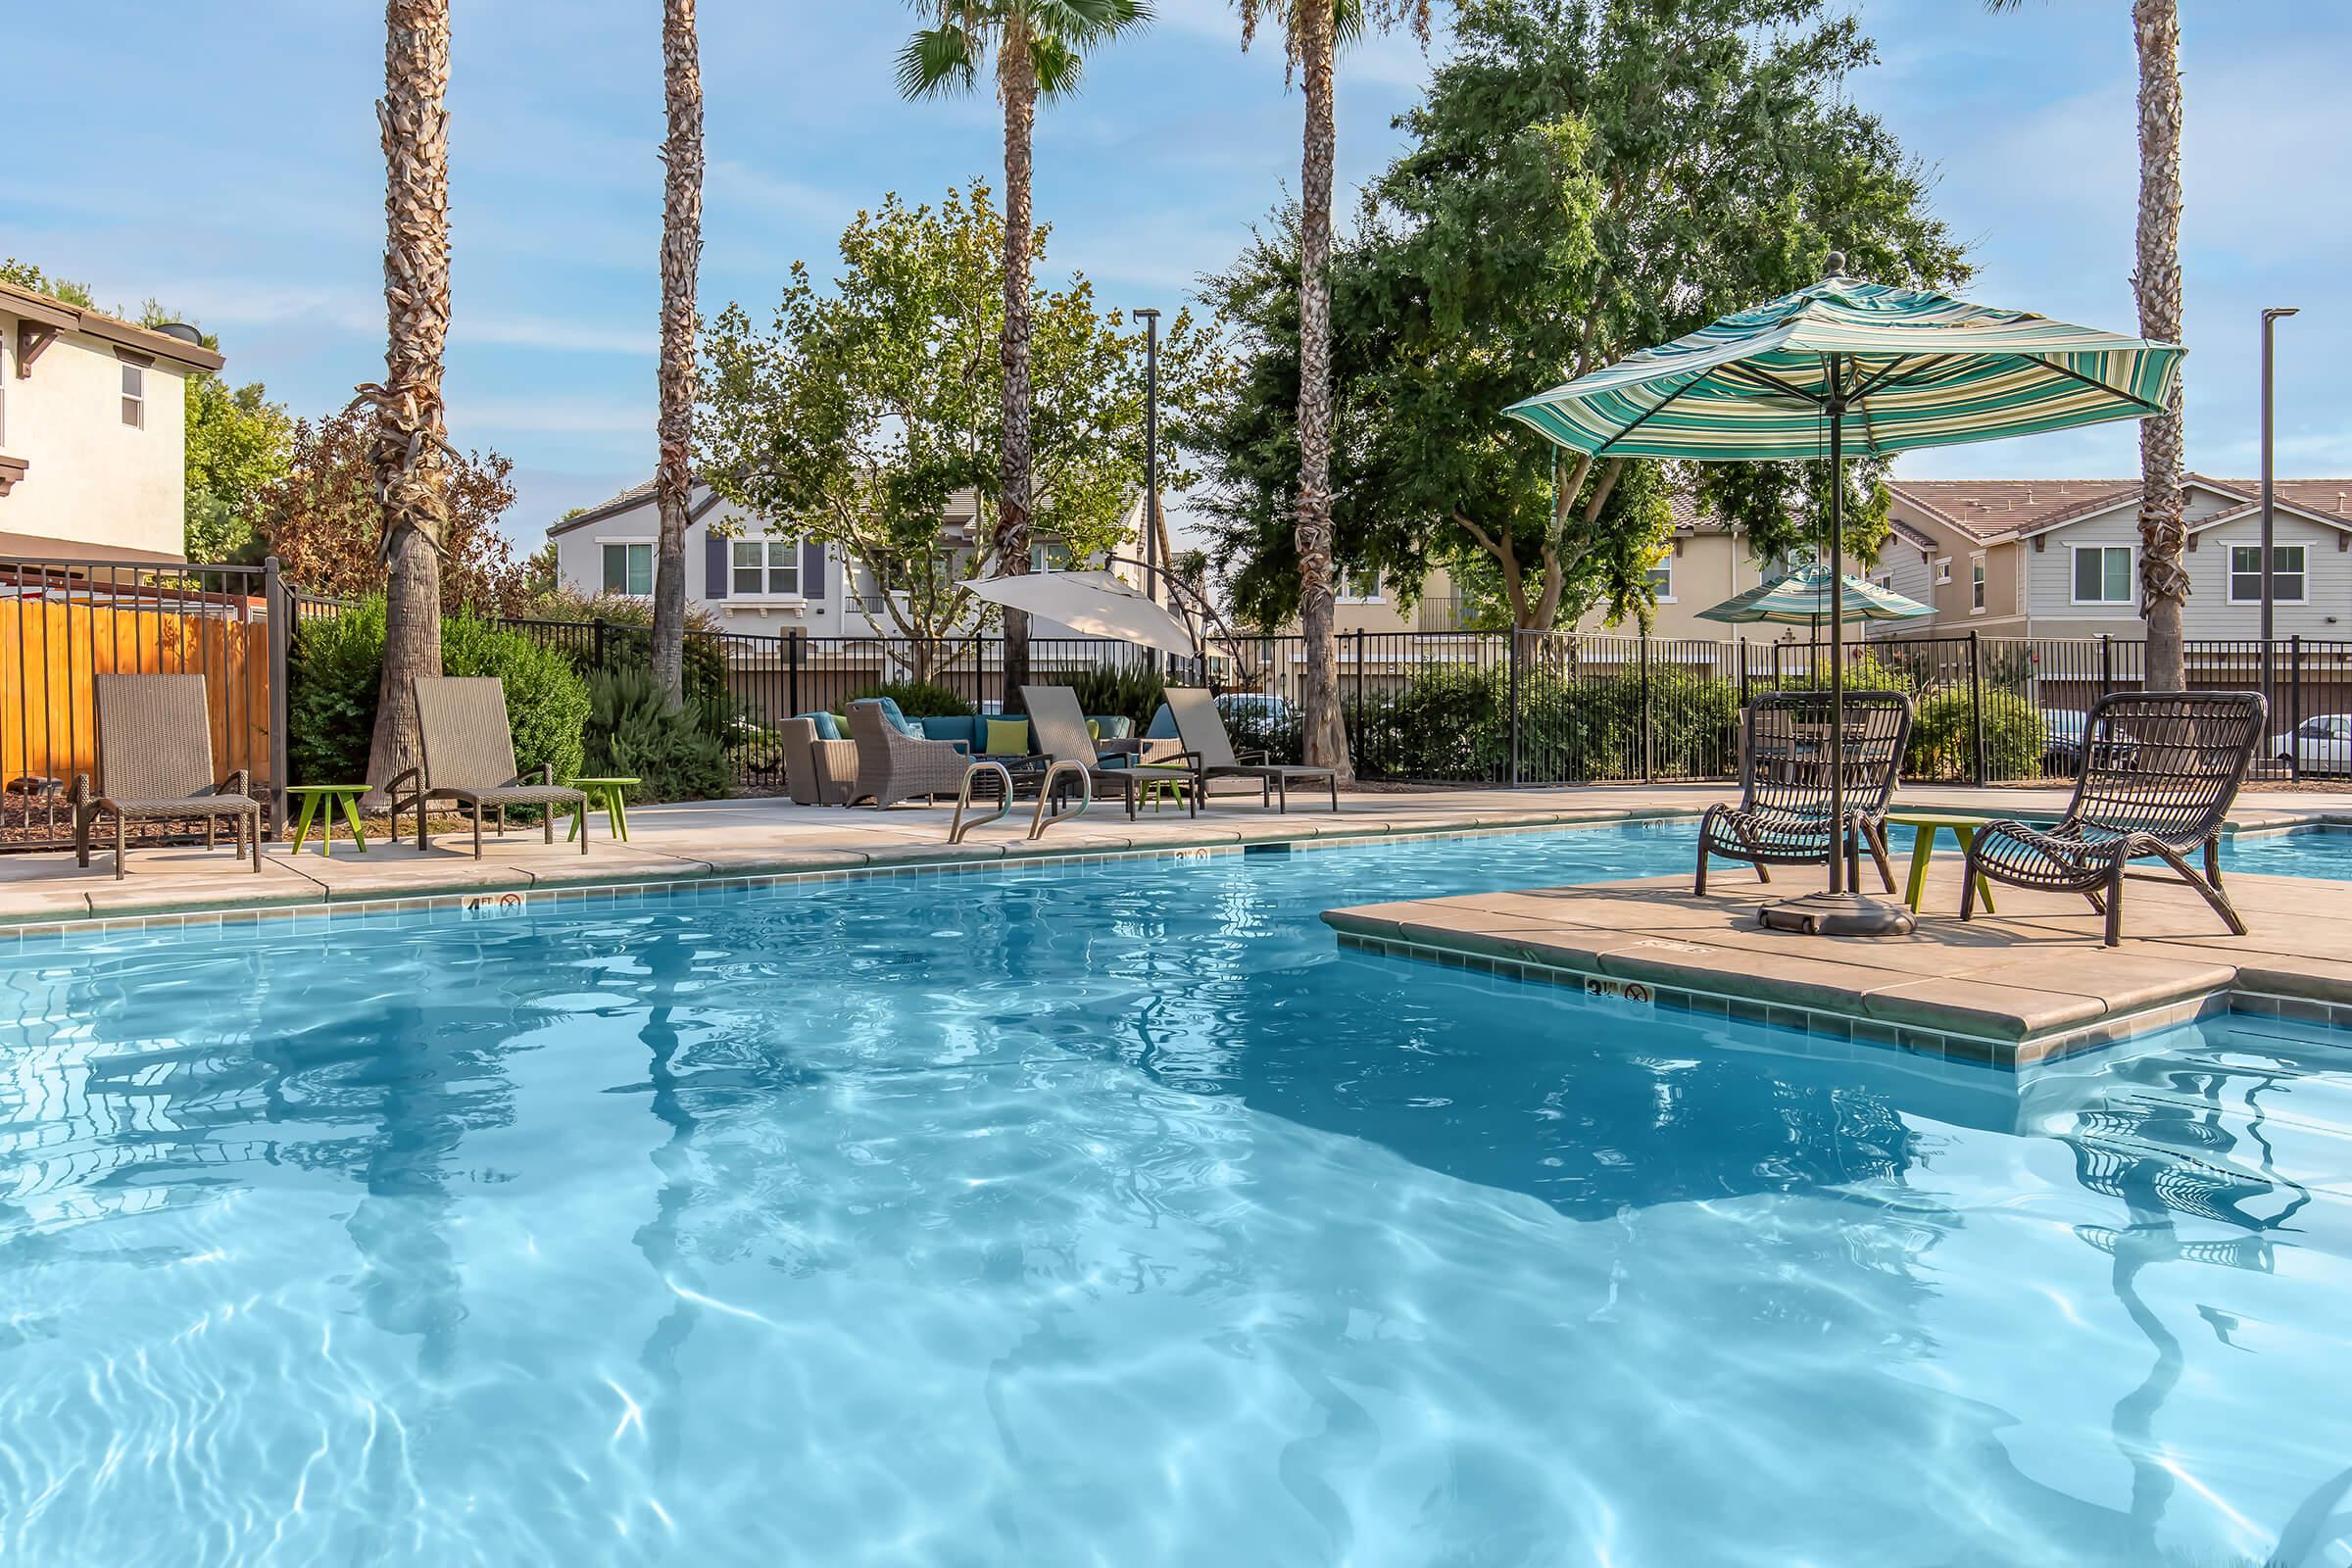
1009,737
1094,729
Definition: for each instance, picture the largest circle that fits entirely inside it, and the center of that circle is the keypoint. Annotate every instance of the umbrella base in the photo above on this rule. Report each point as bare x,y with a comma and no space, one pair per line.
1838,914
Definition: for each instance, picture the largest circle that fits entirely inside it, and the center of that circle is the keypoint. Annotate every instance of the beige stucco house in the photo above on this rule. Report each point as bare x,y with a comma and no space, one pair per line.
92,432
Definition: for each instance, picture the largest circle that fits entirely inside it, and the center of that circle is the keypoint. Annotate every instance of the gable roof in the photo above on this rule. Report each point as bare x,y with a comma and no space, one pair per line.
1989,511
107,329
629,500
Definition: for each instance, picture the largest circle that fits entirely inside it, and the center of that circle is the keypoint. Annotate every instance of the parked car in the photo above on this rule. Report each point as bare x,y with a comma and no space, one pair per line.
1261,710
2319,744
2062,747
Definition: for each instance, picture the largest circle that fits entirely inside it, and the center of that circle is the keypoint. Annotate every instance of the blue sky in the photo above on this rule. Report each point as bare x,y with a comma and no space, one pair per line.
226,161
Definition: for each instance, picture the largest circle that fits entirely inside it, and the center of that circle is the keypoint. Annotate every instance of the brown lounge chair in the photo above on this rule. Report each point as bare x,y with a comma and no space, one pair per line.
2158,773
1782,817
1202,730
1057,727
155,763
468,755
894,766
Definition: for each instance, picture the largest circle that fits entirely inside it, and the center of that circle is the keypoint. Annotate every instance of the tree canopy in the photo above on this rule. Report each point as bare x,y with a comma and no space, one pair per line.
867,406
1584,180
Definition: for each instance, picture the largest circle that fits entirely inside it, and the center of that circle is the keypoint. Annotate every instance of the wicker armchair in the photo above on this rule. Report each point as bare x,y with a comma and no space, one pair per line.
816,771
155,763
1782,817
468,753
894,766
2158,773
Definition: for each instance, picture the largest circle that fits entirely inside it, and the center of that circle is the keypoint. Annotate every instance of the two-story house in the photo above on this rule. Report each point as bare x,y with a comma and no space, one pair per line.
92,432
2060,558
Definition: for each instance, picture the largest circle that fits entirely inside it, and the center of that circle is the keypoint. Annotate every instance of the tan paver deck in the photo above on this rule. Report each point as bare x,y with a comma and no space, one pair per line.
2032,982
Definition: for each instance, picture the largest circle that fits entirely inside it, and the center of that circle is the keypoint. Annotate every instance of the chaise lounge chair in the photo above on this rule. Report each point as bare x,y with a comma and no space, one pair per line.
2158,773
155,763
1202,729
1058,727
467,755
1782,817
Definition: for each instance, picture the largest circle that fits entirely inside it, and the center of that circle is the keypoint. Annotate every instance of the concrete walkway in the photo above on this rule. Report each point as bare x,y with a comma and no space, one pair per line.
691,842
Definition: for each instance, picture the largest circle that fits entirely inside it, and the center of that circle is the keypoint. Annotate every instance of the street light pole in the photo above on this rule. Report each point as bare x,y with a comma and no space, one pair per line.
2270,679
1151,320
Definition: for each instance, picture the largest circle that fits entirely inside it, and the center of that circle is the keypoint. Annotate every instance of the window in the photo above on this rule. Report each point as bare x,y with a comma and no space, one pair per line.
1661,581
2245,574
2102,574
629,569
1944,568
135,397
1048,554
1360,585
1976,587
764,566
1884,582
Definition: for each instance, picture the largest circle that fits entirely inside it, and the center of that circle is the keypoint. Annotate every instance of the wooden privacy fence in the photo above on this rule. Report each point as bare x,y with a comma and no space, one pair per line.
63,624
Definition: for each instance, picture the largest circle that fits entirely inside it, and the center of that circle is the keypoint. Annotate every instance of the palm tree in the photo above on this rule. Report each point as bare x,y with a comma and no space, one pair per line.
1040,52
2156,279
412,442
681,252
1313,29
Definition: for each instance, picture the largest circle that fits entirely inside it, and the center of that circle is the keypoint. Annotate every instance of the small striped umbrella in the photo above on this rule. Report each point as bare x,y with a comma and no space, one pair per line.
1802,598
1846,362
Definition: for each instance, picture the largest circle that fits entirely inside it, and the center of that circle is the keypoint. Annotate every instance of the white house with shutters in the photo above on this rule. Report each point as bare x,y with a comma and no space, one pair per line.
750,582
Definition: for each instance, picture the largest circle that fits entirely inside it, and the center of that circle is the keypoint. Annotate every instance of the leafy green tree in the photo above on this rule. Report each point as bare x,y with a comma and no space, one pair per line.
239,444
868,408
25,276
1584,180
1040,49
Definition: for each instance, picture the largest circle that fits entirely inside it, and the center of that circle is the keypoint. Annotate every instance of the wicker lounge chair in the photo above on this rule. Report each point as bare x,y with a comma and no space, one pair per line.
1201,728
816,771
154,763
1058,726
1782,817
894,766
2158,773
468,756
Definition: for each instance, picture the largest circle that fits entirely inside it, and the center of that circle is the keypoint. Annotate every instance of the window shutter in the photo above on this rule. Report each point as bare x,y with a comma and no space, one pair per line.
715,567
812,569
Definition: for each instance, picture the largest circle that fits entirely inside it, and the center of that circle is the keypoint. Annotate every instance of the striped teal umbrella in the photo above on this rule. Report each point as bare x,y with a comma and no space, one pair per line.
1802,598
1846,362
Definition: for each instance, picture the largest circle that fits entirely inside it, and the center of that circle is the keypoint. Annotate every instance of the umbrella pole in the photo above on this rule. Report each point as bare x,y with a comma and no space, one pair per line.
1841,911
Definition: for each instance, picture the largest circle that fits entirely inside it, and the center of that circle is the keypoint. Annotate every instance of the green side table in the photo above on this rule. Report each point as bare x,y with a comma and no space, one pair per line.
1926,825
605,795
343,798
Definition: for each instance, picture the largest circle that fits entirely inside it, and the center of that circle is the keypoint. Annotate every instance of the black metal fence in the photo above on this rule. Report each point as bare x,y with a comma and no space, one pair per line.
66,623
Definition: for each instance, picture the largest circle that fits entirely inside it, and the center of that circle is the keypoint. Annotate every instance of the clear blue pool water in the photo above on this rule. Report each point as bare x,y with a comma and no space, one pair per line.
1111,1215
2323,852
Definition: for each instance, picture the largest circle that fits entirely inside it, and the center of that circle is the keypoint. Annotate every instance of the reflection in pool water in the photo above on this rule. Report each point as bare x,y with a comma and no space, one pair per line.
1113,1216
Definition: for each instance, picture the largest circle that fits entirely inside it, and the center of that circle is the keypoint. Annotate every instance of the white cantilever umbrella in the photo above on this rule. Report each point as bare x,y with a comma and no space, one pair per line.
1092,602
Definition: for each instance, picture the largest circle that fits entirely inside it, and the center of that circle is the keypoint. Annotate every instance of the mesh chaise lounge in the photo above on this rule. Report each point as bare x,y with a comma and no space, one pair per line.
155,764
1202,729
467,755
894,766
1058,727
1782,817
2158,773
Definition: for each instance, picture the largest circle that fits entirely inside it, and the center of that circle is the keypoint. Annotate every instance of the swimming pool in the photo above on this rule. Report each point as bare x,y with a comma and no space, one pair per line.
2321,851
1110,1214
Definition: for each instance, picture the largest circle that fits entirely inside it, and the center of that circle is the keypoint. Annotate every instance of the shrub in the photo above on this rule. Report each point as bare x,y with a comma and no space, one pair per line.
629,638
677,754
1943,737
918,699
1133,690
337,665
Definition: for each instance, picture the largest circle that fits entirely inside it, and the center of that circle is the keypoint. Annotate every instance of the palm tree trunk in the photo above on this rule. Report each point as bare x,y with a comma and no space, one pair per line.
1325,738
681,253
2164,538
412,442
1016,77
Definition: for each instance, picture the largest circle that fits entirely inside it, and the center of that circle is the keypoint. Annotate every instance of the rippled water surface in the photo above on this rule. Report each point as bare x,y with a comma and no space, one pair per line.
2324,852
1113,1216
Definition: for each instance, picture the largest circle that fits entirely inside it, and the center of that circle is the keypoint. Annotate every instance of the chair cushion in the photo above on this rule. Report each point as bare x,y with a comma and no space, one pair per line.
1163,724
898,720
1008,737
826,728
1112,726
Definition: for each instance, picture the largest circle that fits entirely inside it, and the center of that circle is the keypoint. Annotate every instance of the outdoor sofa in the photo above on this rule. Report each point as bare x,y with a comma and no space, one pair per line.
155,764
